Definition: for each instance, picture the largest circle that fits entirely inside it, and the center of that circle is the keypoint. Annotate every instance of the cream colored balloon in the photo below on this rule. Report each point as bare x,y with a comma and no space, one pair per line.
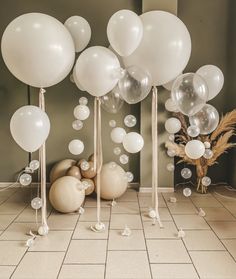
66,195
74,171
60,169
91,185
113,181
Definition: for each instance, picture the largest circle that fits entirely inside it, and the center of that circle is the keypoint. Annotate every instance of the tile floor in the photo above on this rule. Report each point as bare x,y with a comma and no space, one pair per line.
71,250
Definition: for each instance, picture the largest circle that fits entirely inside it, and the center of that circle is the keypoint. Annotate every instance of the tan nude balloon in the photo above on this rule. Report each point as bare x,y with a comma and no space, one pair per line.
60,169
74,171
91,187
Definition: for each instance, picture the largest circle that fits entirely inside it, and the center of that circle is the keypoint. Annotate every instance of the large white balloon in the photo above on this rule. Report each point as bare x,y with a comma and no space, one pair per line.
124,32
195,149
214,79
165,47
133,142
30,127
172,125
97,70
80,31
38,49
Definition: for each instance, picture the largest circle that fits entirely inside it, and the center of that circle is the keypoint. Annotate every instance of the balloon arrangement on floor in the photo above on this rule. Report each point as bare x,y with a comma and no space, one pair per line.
203,137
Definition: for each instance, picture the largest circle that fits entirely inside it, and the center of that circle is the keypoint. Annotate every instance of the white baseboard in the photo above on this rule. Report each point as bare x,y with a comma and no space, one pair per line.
160,189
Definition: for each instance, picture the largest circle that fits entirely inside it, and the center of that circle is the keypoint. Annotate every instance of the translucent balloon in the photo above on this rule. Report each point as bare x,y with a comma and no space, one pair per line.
172,125
84,165
25,179
133,142
170,105
206,181
214,79
186,173
81,112
208,154
193,131
112,102
77,125
187,192
112,123
171,137
83,101
171,152
76,147
118,134
117,150
130,120
112,165
36,203
124,159
194,149
170,167
130,176
34,165
207,119
135,85
190,93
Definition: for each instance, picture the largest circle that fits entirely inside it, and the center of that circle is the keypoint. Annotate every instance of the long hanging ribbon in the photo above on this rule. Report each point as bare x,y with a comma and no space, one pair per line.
98,159
42,159
155,153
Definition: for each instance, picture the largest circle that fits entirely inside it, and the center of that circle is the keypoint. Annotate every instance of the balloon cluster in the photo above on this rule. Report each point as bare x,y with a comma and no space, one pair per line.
189,94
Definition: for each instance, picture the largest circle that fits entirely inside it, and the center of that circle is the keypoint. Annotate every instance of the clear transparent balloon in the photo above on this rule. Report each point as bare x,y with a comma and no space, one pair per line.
206,181
193,131
207,119
84,165
112,123
208,154
187,192
117,150
186,173
77,125
130,176
135,85
189,93
124,159
36,203
25,179
171,152
83,101
34,165
130,121
112,102
170,167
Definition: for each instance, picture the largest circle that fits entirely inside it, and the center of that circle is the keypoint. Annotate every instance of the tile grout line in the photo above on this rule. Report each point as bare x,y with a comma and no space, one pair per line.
145,240
182,238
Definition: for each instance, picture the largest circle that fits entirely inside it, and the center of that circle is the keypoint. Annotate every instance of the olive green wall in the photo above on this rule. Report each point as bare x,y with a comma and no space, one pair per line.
212,25
62,98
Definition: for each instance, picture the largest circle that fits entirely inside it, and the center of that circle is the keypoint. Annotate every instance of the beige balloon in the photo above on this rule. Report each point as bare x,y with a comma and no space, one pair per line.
74,171
91,158
91,187
113,181
66,195
60,169
90,173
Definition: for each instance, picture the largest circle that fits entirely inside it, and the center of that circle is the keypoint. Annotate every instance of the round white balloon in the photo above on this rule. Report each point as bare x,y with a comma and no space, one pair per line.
38,49
118,134
30,127
96,70
214,79
172,125
165,47
124,32
194,149
170,105
81,112
80,31
133,142
76,147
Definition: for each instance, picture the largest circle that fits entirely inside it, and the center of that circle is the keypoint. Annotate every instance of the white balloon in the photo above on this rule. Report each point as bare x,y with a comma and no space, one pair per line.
76,80
214,79
76,147
165,47
118,134
133,142
30,127
124,32
172,125
194,149
96,70
80,31
38,49
170,105
81,112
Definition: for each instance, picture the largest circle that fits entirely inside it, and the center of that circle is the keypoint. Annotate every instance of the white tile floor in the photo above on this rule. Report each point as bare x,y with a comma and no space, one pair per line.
72,250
